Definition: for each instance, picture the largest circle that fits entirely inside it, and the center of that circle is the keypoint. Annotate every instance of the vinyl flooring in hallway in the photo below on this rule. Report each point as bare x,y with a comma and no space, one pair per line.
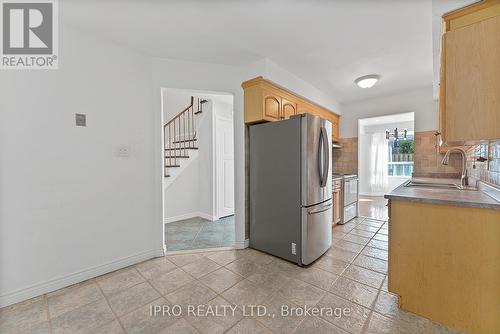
199,233
352,276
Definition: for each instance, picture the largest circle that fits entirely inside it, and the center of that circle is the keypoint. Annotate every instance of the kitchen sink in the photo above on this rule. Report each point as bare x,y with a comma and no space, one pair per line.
437,185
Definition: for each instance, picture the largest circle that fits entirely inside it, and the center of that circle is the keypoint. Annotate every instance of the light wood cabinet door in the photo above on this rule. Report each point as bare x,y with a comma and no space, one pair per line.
303,108
335,128
272,106
264,101
472,71
288,109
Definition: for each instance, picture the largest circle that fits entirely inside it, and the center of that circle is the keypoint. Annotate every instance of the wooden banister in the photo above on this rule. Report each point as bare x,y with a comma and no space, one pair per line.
179,114
179,136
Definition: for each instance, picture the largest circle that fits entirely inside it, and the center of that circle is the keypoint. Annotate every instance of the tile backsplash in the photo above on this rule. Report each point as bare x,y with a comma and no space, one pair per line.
489,169
427,159
345,160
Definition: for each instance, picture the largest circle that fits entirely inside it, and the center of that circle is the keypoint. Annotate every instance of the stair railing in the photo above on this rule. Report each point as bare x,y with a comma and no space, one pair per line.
179,135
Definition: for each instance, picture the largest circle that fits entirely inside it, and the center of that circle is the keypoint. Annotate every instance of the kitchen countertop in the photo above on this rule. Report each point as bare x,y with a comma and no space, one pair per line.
469,198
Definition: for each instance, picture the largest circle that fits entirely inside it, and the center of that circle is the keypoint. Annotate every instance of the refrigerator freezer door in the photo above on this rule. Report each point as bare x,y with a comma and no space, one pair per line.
274,184
316,161
316,231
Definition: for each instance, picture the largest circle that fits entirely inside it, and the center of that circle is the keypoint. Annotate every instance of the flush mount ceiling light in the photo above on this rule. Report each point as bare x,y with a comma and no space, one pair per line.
367,81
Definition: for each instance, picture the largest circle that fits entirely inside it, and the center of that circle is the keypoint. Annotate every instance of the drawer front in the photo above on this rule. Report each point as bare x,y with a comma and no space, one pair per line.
350,212
350,191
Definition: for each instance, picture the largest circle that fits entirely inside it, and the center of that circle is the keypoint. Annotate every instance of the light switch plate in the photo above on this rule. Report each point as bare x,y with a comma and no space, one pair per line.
123,151
81,119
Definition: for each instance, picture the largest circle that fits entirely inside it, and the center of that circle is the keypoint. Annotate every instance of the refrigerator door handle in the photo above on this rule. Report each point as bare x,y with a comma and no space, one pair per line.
321,209
320,157
325,156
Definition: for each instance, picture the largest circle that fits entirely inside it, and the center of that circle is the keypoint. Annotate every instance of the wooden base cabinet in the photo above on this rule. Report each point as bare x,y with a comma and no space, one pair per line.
337,200
268,102
469,101
444,263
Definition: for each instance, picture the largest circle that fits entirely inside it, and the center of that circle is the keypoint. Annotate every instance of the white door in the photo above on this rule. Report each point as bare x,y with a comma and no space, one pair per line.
224,153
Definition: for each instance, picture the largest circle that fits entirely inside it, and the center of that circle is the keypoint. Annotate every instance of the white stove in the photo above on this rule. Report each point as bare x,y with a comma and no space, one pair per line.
348,197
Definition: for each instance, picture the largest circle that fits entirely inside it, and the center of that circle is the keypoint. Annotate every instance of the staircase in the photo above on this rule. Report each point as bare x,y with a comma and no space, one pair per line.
180,136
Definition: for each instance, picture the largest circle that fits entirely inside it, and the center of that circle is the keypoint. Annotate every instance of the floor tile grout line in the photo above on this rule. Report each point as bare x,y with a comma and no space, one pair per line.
217,296
305,317
149,283
367,324
343,297
133,266
274,294
112,311
364,246
335,325
160,297
49,320
90,280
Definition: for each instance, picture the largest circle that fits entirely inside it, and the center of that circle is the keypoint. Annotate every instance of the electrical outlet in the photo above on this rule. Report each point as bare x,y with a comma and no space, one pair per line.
294,248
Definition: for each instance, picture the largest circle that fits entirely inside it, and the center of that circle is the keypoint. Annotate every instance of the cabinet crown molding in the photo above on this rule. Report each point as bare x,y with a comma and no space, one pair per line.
265,83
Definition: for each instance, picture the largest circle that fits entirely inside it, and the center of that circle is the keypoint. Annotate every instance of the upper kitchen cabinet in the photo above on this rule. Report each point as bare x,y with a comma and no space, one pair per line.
469,105
266,101
272,106
288,108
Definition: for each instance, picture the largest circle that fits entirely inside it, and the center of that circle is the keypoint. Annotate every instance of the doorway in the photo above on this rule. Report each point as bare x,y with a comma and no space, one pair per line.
198,183
385,160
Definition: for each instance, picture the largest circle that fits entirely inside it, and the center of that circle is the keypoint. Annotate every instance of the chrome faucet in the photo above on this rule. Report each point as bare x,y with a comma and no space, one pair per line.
446,159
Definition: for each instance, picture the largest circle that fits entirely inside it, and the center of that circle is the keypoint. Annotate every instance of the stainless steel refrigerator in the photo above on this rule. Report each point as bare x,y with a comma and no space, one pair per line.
290,183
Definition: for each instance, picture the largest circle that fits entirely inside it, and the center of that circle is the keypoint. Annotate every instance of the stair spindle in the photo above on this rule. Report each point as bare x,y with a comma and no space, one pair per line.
184,131
179,136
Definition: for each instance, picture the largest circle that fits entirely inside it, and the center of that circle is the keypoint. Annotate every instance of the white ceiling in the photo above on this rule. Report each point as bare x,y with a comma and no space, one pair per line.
328,43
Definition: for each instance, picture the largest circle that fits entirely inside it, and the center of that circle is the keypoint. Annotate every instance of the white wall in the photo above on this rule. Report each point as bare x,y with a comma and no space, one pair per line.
70,208
419,101
272,71
174,101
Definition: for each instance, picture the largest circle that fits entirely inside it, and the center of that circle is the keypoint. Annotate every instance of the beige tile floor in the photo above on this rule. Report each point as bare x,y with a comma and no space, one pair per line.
351,276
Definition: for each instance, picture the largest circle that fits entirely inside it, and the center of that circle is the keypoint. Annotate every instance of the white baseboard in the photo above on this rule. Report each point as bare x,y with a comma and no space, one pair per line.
242,244
189,216
61,282
206,216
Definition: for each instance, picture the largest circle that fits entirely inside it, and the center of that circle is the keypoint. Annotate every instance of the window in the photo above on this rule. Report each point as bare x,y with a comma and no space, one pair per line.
400,162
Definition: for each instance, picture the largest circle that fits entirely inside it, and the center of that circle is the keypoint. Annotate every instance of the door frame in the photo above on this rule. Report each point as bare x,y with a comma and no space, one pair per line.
239,220
215,169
